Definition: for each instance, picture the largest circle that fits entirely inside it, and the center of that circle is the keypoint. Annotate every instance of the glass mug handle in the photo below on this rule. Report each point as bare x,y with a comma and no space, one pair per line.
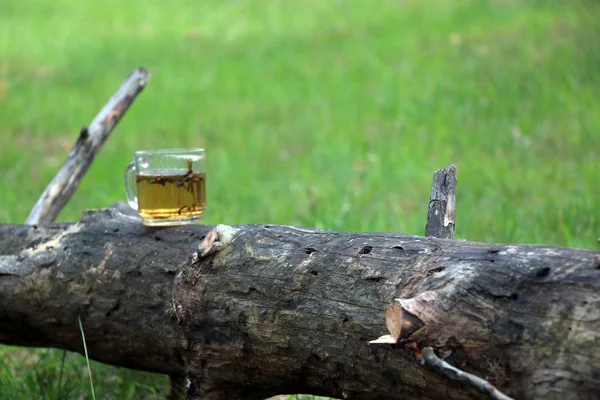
130,187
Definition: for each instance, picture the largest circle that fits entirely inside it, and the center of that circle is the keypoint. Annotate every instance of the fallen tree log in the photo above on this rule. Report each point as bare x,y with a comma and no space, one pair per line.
256,310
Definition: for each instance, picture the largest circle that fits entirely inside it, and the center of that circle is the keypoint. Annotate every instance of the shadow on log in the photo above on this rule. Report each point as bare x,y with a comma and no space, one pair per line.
256,310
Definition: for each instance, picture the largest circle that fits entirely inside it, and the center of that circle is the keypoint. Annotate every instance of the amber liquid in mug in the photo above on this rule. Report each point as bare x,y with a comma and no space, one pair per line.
171,194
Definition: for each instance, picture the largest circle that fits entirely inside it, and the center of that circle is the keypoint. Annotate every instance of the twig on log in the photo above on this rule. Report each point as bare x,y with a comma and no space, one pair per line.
442,204
90,140
429,358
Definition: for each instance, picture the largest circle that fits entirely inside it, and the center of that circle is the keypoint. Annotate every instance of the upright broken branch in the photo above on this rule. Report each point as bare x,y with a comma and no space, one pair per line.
442,204
91,139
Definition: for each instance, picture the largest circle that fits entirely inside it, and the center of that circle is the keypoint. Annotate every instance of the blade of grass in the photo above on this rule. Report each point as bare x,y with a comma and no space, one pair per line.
40,383
87,359
62,368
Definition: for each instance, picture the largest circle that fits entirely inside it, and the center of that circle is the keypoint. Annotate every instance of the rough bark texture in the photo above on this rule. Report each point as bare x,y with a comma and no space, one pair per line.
442,204
277,309
65,183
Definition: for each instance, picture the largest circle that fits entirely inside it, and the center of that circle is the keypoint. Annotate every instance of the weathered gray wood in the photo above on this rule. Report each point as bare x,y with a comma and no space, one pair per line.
442,204
275,309
65,183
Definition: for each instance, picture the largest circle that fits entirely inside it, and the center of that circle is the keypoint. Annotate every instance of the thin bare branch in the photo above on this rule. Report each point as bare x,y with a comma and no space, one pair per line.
90,140
455,374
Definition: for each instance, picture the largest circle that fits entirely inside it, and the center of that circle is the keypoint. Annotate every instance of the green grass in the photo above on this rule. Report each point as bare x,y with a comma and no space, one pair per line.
331,114
87,359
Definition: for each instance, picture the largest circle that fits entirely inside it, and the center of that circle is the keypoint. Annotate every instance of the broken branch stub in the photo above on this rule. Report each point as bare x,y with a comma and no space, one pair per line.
393,323
442,204
440,224
217,239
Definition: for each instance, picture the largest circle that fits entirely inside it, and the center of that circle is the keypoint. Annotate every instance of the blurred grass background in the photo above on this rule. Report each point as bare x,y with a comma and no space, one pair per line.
324,113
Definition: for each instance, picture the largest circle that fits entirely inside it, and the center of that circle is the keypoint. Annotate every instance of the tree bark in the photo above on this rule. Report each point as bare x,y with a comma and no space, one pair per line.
257,310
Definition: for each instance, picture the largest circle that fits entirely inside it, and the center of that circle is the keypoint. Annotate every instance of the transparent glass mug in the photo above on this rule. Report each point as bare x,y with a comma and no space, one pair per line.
167,187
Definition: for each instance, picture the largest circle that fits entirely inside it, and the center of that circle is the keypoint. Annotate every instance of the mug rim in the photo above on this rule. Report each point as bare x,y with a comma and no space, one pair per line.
178,150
